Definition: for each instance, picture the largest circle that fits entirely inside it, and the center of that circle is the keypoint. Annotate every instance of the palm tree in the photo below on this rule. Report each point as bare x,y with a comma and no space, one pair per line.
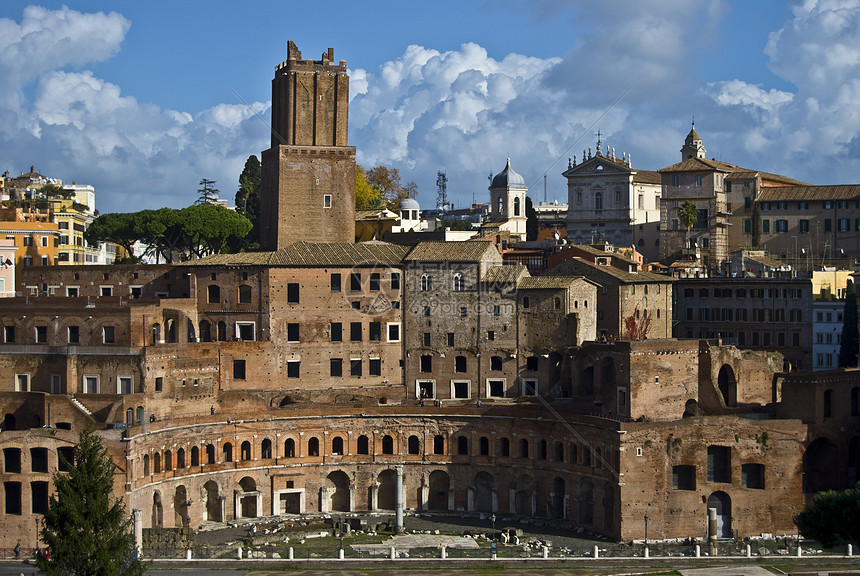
688,213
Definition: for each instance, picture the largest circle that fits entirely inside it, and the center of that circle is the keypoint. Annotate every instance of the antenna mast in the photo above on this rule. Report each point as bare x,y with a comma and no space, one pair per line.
441,191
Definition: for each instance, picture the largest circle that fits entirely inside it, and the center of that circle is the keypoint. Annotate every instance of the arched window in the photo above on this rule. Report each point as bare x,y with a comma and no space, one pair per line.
146,464
516,206
524,448
313,446
195,456
414,445
139,417
245,450
598,201
426,282
222,331
484,446
438,444
458,282
289,448
363,445
460,364
168,461
180,458
543,450
210,454
129,416
266,449
337,445
505,447
462,445
205,331
387,444
213,294
574,457
227,452
526,302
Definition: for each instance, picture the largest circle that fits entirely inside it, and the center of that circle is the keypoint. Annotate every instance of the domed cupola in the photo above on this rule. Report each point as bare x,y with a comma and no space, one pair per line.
507,178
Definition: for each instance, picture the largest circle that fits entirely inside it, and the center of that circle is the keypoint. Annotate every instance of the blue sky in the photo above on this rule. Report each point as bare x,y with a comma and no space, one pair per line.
144,99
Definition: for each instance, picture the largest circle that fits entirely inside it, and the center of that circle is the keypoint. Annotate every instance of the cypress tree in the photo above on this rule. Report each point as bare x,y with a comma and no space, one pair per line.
86,528
850,337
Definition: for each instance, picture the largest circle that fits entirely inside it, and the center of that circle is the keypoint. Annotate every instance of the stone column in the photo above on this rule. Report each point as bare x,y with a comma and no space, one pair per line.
712,531
137,515
424,492
512,502
324,501
398,499
351,497
470,500
374,494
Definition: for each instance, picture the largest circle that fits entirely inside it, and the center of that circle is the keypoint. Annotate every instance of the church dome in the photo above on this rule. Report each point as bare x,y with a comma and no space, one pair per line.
507,178
409,204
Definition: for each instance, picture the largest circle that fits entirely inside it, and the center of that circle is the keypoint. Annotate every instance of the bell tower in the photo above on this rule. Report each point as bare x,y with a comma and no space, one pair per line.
308,185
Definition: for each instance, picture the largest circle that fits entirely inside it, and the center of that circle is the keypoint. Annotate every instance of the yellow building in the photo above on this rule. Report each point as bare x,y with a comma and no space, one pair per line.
36,244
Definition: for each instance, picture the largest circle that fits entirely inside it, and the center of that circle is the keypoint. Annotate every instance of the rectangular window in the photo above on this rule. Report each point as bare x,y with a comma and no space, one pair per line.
765,206
245,331
108,335
752,476
496,388
12,460
22,382
719,464
803,226
355,331
159,383
293,293
425,339
461,388
450,338
675,224
395,281
765,226
683,477
491,335
698,180
39,497
355,367
335,332
326,200
782,225
394,332
782,205
41,334
374,282
828,225
747,226
335,282
803,205
74,334
336,367
355,281
374,367
374,331
238,369
91,384
844,224
106,290
675,180
293,332
13,496
9,334
293,368
56,384
124,384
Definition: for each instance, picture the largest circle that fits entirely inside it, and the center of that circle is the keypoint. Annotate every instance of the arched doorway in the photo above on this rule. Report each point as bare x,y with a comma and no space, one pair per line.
728,385
557,504
385,496
440,484
821,467
213,502
523,496
338,491
586,502
180,507
248,497
723,505
157,510
484,486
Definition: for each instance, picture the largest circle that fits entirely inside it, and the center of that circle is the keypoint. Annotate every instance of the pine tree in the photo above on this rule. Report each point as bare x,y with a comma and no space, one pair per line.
86,528
850,337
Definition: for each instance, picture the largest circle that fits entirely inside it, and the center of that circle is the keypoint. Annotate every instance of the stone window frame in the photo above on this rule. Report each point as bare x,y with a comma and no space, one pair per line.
468,384
488,390
120,378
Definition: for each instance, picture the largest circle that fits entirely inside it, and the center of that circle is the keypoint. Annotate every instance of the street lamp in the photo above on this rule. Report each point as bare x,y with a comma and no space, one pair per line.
37,533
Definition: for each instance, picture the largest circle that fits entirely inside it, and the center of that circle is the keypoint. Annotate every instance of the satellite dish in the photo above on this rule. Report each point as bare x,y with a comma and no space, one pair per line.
564,241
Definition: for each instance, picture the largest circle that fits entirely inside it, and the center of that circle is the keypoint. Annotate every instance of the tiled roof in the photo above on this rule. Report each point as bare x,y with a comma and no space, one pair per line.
767,261
699,164
580,267
647,177
505,274
842,192
546,282
469,251
312,254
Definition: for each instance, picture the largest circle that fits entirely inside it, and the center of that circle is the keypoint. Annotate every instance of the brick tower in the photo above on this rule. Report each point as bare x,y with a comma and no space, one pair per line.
308,187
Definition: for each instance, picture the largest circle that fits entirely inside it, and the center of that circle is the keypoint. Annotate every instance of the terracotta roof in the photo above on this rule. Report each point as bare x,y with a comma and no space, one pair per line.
767,261
547,282
765,177
469,251
699,164
310,254
580,267
842,192
504,274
